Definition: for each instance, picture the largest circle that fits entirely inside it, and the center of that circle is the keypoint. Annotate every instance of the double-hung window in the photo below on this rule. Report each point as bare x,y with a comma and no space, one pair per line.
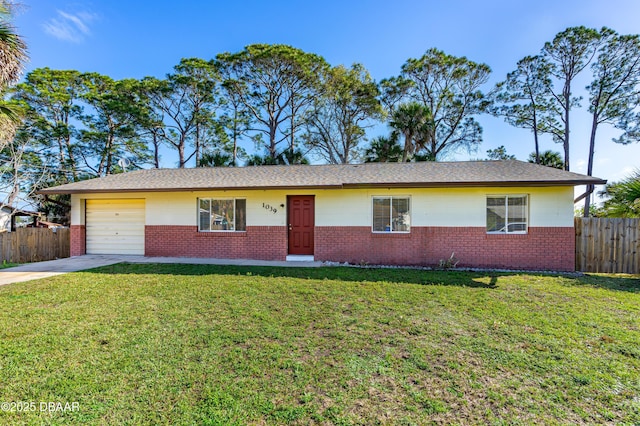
507,214
226,214
391,214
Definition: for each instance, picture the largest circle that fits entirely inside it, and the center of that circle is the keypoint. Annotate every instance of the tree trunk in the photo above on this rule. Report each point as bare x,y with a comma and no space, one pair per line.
197,145
72,160
181,154
592,144
156,148
61,157
109,155
15,184
180,147
407,144
292,147
567,100
272,141
235,137
535,136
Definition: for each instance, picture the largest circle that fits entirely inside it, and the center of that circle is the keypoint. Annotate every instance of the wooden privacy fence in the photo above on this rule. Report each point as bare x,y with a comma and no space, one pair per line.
34,244
608,245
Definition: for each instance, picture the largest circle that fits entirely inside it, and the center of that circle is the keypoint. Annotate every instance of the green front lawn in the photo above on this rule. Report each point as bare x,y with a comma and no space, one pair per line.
184,344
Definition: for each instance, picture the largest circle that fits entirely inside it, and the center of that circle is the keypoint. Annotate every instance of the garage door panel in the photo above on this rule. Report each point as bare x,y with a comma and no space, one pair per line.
114,234
116,217
124,228
106,246
114,222
114,238
118,248
115,226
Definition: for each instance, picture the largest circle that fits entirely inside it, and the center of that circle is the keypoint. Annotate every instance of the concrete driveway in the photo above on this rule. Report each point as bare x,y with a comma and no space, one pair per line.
50,268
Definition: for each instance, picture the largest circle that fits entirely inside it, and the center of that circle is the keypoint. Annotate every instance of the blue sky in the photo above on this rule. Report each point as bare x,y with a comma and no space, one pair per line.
137,38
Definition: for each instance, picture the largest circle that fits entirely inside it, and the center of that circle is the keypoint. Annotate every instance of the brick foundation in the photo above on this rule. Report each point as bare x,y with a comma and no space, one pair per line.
539,249
78,240
258,242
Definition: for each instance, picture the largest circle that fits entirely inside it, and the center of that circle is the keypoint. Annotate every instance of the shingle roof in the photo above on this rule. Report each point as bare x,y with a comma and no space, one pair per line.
407,175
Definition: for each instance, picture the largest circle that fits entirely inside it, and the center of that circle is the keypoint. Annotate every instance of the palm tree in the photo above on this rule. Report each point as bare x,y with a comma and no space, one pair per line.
285,158
383,150
548,158
623,197
13,54
291,157
414,121
13,50
216,159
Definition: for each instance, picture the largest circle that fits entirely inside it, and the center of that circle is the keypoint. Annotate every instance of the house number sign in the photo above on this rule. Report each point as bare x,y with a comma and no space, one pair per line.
270,208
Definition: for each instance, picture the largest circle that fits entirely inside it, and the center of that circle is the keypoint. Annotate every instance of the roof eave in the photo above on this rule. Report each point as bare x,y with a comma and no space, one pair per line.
477,184
543,183
186,189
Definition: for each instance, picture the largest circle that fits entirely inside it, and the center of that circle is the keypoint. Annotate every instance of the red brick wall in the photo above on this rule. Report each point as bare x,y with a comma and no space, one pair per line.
78,240
539,249
258,242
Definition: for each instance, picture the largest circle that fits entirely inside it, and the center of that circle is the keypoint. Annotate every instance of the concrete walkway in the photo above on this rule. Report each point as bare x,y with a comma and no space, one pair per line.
34,271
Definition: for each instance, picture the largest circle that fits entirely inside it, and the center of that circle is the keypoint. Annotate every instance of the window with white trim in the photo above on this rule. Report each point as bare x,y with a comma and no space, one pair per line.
507,214
391,214
222,214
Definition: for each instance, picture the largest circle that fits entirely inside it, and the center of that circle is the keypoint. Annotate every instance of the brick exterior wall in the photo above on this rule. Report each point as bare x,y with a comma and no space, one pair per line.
258,242
540,249
78,240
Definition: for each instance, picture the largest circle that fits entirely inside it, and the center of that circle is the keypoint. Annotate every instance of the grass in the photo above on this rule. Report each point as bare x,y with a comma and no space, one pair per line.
184,344
6,264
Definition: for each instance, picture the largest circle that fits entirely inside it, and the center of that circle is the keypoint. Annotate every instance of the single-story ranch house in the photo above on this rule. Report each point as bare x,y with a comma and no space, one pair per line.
494,214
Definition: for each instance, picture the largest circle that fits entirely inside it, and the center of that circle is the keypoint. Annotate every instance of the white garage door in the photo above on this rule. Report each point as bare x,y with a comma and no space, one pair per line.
115,226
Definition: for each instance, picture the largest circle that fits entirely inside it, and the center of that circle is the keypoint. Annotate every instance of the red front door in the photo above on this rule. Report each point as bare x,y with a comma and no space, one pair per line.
300,215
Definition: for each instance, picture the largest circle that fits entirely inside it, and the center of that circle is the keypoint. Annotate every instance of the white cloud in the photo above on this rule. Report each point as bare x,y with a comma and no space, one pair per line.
70,27
622,174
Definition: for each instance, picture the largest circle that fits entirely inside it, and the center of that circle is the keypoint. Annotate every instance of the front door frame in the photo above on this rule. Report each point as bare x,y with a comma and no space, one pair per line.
292,228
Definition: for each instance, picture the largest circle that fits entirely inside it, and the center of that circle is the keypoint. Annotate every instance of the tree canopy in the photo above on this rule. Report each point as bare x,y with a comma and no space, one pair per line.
276,104
622,199
614,93
348,103
277,84
522,98
450,87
